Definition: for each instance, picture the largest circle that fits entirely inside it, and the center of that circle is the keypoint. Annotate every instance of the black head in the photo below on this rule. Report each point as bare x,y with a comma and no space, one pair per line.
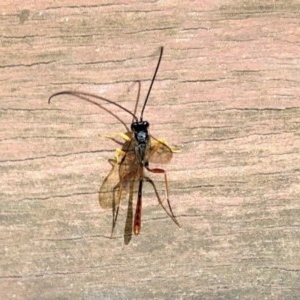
140,130
139,126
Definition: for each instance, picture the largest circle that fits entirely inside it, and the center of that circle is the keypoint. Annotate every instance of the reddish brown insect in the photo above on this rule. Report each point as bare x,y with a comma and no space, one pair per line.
127,174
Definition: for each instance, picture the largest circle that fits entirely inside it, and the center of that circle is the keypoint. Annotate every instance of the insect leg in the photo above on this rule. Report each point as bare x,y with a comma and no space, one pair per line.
115,207
170,214
161,171
116,204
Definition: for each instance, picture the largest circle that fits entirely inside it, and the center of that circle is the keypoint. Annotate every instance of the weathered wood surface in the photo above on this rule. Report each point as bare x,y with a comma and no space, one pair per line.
227,92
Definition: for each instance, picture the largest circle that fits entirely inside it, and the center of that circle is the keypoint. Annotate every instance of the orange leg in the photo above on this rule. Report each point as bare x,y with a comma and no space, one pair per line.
162,171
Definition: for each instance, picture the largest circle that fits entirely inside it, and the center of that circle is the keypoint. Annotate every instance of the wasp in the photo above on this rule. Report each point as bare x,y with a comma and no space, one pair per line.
139,149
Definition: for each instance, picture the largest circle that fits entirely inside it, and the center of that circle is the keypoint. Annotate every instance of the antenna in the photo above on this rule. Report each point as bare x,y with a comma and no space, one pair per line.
83,95
160,56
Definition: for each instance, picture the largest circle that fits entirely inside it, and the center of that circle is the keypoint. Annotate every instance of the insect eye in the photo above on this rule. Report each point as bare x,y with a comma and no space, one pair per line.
134,126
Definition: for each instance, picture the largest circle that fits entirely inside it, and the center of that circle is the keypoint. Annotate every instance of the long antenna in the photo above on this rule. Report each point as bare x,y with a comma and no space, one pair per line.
160,56
83,95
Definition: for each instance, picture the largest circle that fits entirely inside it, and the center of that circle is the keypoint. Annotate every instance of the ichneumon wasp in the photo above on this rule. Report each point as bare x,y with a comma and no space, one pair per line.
128,167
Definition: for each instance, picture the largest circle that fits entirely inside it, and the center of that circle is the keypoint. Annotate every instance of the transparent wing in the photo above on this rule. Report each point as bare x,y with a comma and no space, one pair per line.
159,151
115,186
110,187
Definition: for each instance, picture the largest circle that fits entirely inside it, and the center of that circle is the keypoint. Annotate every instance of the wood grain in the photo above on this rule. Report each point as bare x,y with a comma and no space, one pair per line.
227,93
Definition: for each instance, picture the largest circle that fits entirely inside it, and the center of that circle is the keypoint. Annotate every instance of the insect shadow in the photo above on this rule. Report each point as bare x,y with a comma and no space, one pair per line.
127,174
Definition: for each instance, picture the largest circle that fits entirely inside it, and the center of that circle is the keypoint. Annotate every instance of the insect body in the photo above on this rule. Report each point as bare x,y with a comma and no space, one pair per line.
128,167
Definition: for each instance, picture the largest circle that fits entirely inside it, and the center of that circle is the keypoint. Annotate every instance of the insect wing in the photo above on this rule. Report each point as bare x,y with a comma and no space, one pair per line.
110,187
129,169
159,152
